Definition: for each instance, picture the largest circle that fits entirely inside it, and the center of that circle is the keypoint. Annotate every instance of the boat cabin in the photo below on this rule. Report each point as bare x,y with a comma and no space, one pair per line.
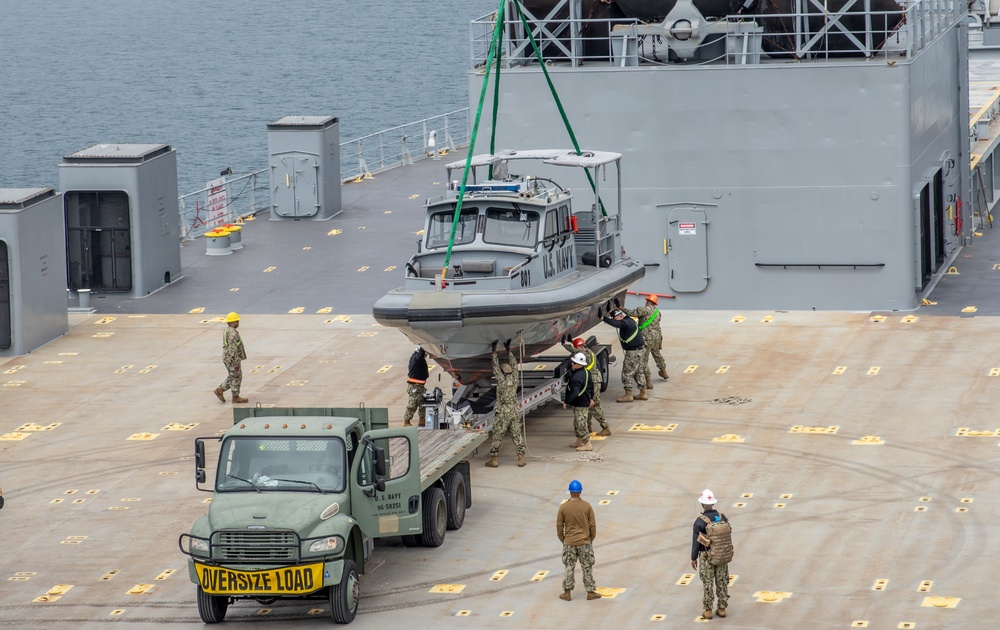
513,231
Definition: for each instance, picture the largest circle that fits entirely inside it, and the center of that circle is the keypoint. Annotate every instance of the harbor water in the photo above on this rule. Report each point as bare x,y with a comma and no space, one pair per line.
206,77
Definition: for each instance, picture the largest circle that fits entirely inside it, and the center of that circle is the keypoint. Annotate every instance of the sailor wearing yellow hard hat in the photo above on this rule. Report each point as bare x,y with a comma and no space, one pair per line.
233,355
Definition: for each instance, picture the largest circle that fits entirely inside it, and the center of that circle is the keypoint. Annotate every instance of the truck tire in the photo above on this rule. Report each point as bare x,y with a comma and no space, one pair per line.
435,517
454,491
344,597
212,608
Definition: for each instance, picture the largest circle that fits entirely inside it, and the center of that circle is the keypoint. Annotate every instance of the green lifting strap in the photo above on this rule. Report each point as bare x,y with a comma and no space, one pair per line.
493,55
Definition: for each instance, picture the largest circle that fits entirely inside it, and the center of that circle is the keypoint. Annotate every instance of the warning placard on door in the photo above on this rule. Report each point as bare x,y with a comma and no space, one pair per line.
686,229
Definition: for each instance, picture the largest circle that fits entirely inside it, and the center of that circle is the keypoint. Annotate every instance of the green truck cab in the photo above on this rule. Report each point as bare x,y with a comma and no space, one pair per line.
300,495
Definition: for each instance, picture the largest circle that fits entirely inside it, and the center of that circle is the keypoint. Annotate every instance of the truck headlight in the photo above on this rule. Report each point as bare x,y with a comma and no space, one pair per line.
197,544
330,543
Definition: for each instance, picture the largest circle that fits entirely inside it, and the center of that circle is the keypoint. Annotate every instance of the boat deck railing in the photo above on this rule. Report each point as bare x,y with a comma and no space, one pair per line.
248,194
812,31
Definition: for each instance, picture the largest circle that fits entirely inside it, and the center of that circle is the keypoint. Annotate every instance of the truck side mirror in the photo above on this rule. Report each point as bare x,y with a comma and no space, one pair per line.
199,455
380,467
199,475
380,484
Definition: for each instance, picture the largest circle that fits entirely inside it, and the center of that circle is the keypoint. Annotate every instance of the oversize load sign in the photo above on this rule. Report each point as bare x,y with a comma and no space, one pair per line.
285,581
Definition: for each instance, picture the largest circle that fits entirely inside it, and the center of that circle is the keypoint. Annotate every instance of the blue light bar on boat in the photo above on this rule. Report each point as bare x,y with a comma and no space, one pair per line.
493,188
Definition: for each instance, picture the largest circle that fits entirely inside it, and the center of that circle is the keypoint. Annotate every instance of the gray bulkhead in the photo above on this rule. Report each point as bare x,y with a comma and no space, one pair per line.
780,185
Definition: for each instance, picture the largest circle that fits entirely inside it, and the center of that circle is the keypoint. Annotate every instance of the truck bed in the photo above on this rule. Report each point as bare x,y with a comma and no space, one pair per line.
440,449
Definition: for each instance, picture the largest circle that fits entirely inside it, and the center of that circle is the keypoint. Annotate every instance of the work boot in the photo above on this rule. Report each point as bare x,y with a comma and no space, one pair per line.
707,614
239,399
218,394
721,612
422,423
642,394
649,382
587,446
664,376
566,596
577,444
627,397
593,595
493,462
521,462
406,423
605,432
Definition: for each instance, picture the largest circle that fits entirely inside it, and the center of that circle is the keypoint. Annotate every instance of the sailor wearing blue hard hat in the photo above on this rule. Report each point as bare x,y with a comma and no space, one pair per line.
576,527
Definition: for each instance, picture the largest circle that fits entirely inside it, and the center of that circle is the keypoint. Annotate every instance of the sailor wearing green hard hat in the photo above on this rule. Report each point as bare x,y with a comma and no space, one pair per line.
576,527
233,354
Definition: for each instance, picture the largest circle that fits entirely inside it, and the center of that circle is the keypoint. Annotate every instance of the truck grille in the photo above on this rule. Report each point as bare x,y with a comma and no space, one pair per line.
252,546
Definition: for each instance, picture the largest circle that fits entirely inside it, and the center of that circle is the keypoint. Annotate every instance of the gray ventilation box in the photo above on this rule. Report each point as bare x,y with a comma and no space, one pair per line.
305,168
32,270
122,220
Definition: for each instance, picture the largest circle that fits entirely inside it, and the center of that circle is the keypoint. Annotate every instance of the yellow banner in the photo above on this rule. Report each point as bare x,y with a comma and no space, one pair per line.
296,580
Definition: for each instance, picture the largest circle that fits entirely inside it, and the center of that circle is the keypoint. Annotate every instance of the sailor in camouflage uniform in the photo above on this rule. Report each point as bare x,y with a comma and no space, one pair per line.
576,527
506,416
233,355
713,578
416,379
652,337
632,344
596,412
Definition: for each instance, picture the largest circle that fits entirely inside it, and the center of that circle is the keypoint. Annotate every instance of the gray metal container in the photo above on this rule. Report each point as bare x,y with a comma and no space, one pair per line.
305,168
122,221
32,270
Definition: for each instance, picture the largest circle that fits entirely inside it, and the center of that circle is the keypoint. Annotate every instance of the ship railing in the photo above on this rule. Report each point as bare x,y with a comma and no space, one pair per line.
227,200
825,31
234,197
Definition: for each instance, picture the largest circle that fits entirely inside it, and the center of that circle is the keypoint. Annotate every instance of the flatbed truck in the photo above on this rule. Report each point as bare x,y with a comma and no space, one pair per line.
300,495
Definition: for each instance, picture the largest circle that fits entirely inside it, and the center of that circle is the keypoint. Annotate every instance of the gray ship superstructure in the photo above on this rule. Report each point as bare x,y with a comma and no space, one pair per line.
796,157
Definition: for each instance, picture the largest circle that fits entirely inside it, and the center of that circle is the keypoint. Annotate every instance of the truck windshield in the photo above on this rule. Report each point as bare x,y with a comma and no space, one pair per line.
250,464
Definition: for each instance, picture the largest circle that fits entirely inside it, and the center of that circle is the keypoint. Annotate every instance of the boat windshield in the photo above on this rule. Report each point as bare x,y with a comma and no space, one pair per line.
439,229
281,464
510,226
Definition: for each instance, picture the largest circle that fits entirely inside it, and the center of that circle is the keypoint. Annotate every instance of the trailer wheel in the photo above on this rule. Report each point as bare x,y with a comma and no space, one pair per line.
454,488
212,608
344,597
435,517
602,366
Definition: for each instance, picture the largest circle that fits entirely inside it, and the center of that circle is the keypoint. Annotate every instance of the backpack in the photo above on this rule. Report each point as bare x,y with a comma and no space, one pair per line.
718,539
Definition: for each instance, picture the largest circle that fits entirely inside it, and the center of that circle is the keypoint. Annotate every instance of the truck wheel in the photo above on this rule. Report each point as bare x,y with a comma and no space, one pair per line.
435,517
454,490
212,608
344,597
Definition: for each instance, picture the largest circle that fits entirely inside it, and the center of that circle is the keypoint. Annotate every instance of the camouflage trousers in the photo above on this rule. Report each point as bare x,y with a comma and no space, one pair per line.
581,416
504,423
585,554
632,370
712,576
234,380
415,398
652,346
596,412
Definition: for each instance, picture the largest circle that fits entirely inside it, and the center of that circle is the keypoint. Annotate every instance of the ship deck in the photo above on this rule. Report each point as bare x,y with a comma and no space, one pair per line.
846,448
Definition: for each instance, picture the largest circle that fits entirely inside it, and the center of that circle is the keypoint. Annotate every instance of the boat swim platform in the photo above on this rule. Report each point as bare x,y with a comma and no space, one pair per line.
854,454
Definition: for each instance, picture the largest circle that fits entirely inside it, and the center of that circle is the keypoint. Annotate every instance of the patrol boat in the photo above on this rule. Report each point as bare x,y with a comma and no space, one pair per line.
516,263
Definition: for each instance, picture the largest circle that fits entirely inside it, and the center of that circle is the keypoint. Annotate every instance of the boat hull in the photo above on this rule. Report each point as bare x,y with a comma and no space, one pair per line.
457,328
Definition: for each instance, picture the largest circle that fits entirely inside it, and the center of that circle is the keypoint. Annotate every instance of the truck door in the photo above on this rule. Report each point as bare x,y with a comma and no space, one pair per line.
394,511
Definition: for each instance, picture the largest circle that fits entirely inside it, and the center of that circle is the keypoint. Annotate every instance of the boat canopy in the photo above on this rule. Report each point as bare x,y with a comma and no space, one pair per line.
557,157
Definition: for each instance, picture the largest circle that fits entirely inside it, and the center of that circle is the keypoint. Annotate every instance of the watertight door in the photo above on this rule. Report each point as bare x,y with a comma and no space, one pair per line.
687,249
98,240
396,510
295,186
